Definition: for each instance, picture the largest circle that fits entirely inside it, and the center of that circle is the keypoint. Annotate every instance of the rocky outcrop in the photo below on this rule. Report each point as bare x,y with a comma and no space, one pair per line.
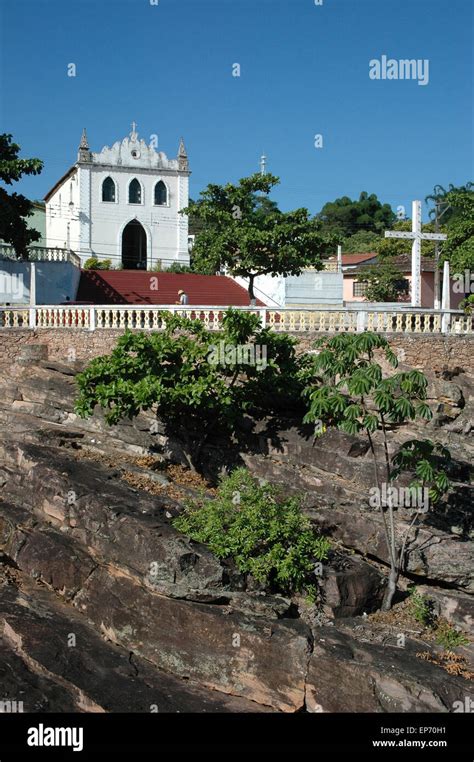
163,622
374,673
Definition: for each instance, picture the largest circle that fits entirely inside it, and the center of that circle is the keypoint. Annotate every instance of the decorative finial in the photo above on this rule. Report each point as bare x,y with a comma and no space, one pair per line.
83,153
134,133
263,164
183,163
84,142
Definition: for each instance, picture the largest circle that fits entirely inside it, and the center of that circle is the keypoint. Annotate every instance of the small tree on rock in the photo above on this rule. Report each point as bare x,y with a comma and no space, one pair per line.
195,380
350,392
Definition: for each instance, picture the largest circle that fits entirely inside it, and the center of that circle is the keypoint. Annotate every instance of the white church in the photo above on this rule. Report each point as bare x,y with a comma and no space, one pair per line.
122,204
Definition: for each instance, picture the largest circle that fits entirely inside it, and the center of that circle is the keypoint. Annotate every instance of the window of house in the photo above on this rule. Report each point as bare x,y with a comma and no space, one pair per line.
135,192
161,194
359,288
108,189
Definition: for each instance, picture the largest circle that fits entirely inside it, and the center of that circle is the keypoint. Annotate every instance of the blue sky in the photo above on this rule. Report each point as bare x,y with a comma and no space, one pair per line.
304,71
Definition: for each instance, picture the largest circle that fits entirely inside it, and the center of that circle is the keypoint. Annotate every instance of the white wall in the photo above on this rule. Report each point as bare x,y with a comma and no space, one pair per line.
311,288
96,226
55,281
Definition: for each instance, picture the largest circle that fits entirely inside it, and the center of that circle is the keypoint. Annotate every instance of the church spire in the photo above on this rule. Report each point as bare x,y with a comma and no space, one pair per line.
84,154
183,163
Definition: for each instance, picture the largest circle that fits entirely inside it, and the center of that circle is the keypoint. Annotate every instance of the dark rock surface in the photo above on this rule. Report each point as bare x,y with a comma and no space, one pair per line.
163,622
54,660
353,670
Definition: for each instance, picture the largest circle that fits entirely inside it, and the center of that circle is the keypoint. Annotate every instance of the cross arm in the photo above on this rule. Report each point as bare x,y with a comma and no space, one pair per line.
399,234
434,236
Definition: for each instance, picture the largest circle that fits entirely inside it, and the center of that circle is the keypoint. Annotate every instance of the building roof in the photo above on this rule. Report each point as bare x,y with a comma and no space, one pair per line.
61,180
402,262
355,259
139,287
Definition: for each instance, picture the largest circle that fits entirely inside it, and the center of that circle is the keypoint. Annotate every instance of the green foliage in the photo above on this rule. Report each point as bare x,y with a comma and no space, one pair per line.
421,608
176,267
93,263
157,268
349,391
14,207
265,534
385,282
364,241
427,460
345,217
348,373
241,229
459,248
171,372
467,304
448,637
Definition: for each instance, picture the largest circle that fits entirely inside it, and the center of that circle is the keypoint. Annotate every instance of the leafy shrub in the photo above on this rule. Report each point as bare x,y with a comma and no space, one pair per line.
467,304
421,608
170,371
265,534
97,264
176,267
448,637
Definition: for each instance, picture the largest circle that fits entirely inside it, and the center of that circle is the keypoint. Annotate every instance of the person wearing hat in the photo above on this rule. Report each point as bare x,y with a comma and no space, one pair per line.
183,297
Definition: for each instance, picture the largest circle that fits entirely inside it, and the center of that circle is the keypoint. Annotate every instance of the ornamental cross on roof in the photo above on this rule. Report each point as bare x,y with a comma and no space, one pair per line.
134,133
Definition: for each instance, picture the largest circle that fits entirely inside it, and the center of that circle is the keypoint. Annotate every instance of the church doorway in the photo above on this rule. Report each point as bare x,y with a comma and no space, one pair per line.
134,246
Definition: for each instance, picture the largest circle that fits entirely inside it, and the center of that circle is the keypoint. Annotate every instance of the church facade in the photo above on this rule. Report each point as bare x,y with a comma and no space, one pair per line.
122,204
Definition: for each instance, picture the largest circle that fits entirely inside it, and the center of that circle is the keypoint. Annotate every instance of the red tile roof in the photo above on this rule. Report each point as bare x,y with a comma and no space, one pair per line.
355,259
138,287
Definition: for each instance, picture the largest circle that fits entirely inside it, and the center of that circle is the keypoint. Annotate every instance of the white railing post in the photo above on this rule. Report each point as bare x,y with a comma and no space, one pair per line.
361,321
263,317
91,318
446,322
32,317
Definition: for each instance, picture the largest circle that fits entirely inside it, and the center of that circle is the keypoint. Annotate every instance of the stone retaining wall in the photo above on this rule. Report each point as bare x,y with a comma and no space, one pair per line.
419,351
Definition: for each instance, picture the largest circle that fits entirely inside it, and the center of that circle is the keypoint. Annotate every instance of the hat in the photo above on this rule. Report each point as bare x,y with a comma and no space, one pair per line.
180,291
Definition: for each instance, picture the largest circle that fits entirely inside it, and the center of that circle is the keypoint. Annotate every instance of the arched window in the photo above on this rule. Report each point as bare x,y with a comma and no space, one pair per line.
135,192
108,189
161,194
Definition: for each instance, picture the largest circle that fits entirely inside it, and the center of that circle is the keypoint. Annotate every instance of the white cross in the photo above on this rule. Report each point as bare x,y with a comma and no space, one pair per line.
417,237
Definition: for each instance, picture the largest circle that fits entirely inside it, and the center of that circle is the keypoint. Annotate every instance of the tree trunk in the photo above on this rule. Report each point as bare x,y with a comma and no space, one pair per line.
251,291
391,589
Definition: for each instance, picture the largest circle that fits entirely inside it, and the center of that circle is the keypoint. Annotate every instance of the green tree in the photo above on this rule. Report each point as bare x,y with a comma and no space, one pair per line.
346,217
385,282
364,241
262,532
350,392
193,382
243,231
14,207
447,211
459,248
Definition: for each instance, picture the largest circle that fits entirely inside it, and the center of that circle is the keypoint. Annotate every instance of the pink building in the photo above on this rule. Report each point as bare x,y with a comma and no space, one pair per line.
354,289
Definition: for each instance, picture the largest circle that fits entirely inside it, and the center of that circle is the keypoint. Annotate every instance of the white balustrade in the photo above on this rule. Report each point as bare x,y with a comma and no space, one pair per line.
279,319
